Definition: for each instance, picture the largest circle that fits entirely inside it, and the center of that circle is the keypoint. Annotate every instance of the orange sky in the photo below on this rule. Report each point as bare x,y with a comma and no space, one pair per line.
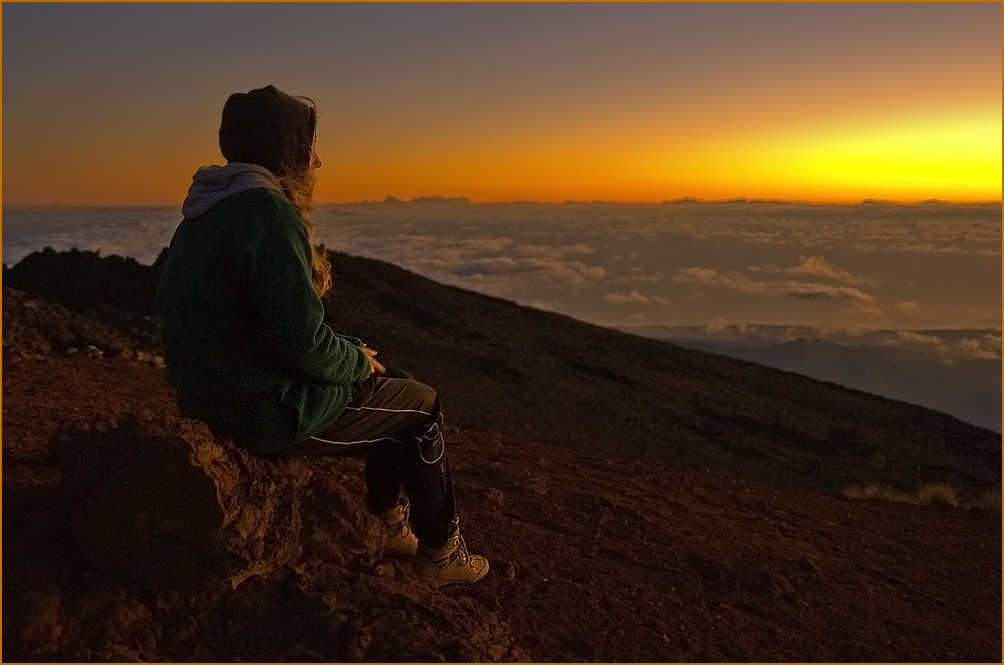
517,102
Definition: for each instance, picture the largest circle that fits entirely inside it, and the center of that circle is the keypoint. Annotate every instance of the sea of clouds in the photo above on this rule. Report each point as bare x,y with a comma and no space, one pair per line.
831,269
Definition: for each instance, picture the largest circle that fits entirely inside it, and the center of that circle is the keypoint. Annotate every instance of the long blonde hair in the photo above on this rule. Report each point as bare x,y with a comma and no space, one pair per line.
298,187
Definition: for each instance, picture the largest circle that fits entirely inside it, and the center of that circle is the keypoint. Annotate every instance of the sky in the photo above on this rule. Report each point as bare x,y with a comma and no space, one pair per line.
118,104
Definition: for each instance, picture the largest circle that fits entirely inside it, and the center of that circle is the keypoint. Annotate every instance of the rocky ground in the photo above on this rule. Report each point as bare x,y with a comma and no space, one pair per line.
598,553
593,558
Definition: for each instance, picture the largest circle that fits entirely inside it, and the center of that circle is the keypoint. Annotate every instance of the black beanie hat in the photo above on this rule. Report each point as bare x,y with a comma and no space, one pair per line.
269,128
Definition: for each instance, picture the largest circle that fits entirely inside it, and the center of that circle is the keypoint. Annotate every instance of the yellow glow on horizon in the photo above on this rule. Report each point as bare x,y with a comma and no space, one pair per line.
951,156
959,155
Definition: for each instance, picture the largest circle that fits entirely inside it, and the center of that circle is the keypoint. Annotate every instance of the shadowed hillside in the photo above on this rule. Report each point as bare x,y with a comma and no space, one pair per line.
546,377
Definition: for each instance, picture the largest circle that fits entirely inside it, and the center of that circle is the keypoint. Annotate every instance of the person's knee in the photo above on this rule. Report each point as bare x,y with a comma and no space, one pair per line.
425,396
404,394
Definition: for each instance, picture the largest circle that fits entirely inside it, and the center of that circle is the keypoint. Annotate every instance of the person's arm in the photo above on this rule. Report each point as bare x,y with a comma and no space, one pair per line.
290,309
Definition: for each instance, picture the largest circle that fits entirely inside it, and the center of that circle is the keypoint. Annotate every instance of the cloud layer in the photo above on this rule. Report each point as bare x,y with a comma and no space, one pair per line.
835,267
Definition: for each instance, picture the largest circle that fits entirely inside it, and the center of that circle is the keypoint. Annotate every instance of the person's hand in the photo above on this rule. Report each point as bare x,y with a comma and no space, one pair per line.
375,366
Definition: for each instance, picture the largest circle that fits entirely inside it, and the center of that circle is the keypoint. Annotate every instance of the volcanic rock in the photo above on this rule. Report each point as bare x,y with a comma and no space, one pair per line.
162,499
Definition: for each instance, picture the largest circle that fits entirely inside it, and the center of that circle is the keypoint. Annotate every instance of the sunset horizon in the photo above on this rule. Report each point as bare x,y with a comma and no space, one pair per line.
391,199
120,104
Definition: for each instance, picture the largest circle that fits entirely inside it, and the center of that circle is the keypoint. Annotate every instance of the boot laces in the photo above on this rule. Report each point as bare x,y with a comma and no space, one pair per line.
401,515
461,552
406,516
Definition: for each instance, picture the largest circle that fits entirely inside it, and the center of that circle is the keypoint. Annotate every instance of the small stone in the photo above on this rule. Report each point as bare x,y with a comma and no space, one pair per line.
358,641
811,567
496,497
39,619
497,652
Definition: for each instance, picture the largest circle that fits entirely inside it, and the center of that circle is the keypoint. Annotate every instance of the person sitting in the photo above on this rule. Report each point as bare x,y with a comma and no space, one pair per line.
248,351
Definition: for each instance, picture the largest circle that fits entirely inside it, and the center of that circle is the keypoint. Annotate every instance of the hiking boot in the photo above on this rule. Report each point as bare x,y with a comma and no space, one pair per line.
450,564
401,540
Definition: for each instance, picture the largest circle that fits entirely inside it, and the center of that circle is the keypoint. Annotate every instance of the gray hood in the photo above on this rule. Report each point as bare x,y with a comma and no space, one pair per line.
212,184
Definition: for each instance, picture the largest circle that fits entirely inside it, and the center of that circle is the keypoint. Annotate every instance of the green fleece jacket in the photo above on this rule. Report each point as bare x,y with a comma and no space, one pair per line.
245,341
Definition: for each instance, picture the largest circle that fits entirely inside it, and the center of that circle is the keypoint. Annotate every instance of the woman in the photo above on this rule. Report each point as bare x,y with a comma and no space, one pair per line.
249,353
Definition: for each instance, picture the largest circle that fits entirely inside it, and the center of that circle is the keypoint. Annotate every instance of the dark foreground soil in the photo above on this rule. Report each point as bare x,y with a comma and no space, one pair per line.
594,556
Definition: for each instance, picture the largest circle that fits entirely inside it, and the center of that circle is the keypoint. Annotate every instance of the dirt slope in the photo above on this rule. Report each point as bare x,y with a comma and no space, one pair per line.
595,557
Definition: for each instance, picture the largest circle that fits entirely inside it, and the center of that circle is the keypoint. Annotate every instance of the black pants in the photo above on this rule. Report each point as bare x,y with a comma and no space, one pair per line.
395,424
